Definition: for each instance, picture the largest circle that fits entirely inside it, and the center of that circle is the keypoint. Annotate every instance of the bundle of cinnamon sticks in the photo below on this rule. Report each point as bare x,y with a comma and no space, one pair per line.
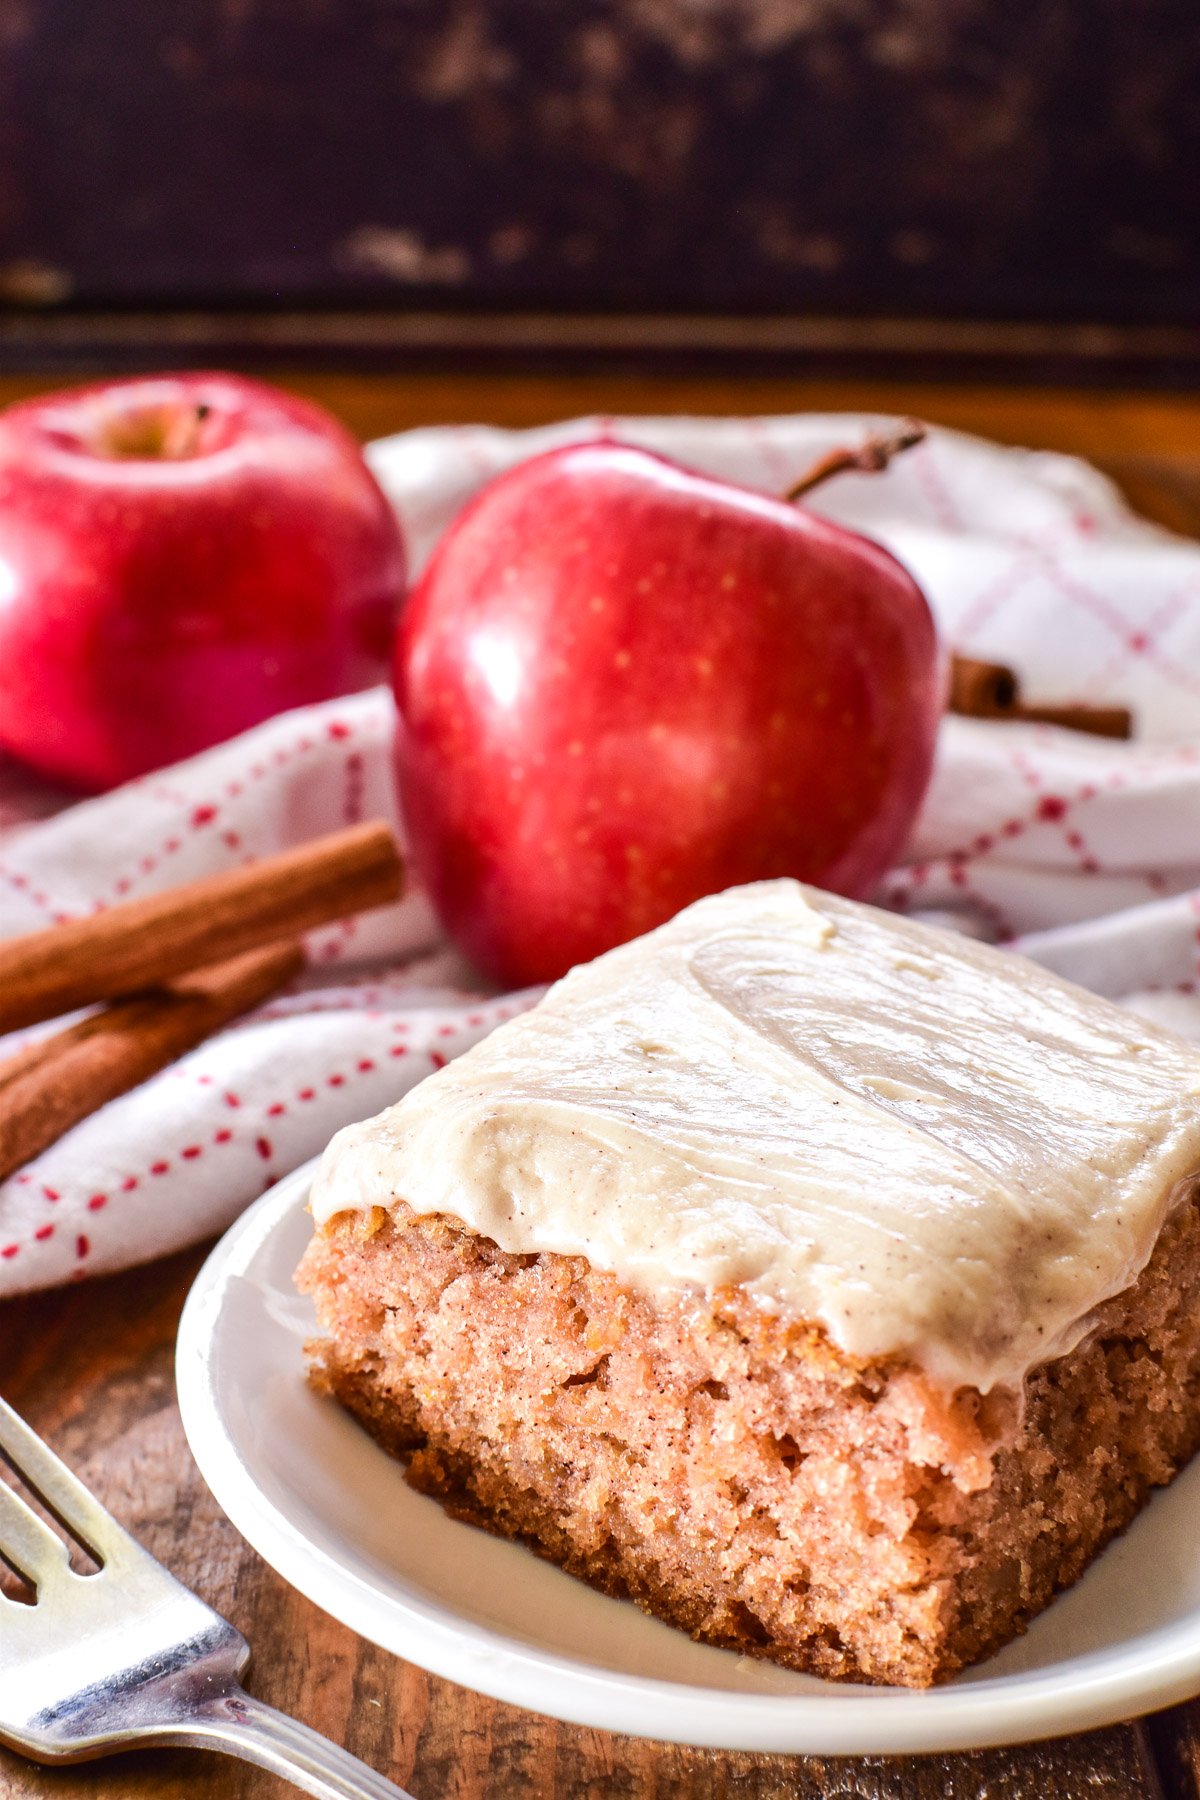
170,970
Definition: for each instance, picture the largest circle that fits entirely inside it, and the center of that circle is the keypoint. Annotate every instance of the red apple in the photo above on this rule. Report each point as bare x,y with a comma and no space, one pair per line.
180,558
623,685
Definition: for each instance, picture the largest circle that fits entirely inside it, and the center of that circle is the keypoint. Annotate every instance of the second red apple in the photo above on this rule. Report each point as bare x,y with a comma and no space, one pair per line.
623,685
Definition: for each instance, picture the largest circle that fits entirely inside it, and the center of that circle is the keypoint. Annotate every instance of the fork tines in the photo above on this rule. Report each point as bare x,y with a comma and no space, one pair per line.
27,1544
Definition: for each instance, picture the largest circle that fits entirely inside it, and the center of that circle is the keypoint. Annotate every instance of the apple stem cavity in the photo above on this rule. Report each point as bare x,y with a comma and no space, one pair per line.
154,433
871,456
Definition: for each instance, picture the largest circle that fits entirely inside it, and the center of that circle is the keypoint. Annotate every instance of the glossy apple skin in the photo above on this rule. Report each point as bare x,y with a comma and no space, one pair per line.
622,685
151,604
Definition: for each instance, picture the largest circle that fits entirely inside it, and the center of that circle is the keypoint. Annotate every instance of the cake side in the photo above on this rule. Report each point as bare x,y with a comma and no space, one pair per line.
733,1471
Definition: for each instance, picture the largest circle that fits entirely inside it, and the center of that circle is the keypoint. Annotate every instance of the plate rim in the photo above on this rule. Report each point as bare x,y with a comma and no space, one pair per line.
1101,1688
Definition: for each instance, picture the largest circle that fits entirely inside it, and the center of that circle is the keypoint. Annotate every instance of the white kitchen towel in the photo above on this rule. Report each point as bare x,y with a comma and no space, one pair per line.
1086,852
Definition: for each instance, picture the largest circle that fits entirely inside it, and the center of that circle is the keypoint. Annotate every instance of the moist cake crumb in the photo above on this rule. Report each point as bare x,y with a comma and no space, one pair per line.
736,1474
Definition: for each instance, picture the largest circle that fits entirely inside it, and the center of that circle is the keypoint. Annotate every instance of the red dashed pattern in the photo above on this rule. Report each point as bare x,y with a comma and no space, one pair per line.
197,817
164,1166
352,801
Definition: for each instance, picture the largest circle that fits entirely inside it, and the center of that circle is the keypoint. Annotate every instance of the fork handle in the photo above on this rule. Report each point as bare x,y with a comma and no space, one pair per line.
239,1725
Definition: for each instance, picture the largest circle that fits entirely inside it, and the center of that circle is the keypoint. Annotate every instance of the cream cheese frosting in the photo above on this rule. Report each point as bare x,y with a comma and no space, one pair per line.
929,1147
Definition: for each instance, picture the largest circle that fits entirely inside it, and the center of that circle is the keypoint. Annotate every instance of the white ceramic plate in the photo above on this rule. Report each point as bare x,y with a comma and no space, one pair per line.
332,1514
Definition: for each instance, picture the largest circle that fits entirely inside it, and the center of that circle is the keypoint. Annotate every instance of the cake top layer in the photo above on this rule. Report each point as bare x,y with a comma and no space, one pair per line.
929,1147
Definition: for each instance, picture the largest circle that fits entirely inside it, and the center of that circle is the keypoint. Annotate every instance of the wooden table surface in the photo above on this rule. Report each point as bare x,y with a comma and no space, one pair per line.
91,1366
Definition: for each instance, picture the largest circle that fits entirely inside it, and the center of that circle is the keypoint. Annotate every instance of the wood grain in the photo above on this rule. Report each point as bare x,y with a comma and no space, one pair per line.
91,1368
1158,430
1148,442
1174,1742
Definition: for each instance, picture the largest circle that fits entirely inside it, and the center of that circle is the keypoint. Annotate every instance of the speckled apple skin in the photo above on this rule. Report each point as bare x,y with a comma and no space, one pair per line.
150,607
623,685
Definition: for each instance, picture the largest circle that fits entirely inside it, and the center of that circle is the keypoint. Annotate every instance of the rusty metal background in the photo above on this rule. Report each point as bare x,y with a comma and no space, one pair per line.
1000,160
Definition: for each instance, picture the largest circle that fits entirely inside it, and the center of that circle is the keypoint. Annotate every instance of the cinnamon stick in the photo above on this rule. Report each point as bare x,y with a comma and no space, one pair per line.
1100,721
51,1085
986,690
141,943
981,689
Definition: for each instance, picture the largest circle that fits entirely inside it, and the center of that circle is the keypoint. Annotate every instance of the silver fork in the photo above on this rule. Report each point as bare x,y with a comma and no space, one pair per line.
128,1657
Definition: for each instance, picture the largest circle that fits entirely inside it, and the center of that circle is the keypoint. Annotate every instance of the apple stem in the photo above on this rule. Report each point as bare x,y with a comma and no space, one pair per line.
869,458
181,435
